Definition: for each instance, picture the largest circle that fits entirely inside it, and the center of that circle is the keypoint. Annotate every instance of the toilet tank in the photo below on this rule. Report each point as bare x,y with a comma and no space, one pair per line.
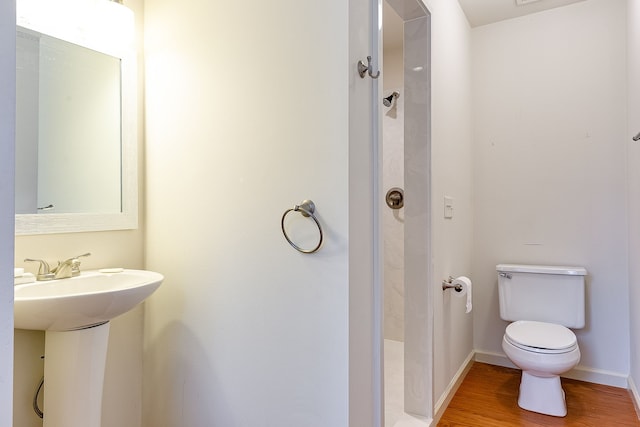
543,293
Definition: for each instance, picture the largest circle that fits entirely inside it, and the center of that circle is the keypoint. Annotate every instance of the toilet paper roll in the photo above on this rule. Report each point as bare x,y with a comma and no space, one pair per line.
465,282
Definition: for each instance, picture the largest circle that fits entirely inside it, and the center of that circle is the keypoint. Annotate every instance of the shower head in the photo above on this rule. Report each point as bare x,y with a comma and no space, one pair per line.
388,100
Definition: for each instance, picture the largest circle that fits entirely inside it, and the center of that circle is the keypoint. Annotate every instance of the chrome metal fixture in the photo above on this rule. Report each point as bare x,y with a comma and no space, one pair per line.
364,69
448,284
65,269
388,100
395,198
307,208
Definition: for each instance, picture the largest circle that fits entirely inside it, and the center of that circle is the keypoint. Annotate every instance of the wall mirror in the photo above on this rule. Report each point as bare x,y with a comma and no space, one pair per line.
76,167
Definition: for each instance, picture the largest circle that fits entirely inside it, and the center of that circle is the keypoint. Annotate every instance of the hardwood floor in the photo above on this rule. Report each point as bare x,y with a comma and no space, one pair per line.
488,398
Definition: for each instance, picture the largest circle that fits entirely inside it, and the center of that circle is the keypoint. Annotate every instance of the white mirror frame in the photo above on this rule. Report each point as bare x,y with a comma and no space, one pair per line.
107,27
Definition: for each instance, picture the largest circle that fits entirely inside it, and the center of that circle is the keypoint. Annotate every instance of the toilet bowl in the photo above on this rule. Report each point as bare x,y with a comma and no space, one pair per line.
543,351
543,302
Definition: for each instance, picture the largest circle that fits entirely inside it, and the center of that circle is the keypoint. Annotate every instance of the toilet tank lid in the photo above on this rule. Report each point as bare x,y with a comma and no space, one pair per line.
541,269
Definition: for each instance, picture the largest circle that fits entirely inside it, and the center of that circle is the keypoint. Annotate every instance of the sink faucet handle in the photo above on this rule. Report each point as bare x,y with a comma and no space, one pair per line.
75,263
73,259
83,255
44,271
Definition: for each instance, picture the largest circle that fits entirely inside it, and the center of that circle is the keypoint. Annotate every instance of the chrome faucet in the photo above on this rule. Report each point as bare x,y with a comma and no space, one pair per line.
68,268
44,271
65,269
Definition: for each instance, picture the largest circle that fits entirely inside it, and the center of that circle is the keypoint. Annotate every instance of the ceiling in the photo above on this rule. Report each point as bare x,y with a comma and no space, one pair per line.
482,12
478,12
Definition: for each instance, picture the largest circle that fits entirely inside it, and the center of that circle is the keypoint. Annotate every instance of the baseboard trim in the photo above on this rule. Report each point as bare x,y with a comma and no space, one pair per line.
450,391
634,396
581,373
408,420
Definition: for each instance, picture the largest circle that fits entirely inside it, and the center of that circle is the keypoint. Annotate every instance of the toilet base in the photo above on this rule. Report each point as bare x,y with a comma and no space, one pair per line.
542,394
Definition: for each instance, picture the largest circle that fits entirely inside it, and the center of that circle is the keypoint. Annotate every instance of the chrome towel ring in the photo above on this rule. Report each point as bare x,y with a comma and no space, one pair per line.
307,209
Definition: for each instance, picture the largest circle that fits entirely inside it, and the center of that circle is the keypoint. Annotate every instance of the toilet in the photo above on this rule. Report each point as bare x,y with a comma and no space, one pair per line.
542,302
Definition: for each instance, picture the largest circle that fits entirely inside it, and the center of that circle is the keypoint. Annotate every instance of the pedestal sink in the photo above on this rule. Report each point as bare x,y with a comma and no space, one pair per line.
75,314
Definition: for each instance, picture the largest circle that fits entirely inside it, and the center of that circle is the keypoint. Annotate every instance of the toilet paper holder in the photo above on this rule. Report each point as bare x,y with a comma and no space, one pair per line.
447,284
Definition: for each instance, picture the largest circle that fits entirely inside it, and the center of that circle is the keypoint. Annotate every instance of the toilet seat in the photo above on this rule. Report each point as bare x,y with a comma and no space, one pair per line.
541,337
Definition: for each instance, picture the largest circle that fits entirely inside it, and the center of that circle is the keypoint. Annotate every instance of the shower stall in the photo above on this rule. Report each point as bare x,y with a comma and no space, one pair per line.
405,117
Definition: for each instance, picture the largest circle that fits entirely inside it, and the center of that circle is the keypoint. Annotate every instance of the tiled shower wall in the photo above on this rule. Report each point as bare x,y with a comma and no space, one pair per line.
393,176
393,219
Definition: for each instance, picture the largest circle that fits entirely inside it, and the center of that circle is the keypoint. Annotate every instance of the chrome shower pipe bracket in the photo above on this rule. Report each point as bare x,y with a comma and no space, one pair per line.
447,284
637,137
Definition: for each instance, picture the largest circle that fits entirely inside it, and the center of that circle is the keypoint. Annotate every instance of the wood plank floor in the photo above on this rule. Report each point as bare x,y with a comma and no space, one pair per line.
488,398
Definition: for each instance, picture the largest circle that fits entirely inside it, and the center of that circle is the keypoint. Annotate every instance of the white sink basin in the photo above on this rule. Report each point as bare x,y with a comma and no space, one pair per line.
79,302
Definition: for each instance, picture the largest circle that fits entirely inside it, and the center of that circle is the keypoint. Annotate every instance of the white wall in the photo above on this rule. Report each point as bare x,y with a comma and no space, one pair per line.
549,95
393,58
246,116
633,181
451,174
7,135
123,377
